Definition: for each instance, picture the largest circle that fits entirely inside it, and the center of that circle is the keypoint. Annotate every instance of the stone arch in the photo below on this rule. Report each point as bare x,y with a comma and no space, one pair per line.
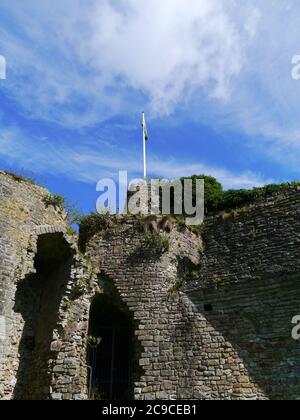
48,229
37,301
113,351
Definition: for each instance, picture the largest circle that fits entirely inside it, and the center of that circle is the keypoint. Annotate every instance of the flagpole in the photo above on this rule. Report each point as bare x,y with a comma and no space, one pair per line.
144,147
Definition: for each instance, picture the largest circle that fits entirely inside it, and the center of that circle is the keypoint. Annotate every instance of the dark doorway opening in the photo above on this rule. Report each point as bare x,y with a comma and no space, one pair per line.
38,298
111,353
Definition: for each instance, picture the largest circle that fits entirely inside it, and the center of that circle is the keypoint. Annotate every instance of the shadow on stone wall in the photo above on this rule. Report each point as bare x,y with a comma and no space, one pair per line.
113,351
38,299
255,319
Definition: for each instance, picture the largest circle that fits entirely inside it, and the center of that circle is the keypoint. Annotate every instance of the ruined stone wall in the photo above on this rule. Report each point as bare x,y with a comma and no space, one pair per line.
250,282
227,333
23,218
183,355
212,314
146,283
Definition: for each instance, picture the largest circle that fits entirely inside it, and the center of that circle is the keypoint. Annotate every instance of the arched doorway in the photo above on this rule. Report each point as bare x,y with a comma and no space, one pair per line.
110,351
37,300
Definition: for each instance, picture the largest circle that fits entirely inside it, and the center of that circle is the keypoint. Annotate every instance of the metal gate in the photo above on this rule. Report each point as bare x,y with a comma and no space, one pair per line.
112,364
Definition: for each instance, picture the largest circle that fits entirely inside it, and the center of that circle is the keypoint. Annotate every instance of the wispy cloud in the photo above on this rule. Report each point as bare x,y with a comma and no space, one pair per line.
229,179
98,53
76,63
82,163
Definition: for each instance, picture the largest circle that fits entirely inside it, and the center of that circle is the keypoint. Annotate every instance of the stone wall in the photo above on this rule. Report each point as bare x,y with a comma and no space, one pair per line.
250,280
227,333
24,217
211,314
146,285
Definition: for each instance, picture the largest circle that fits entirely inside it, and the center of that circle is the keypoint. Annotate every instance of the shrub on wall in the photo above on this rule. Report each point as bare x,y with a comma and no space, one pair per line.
212,189
216,199
55,201
157,243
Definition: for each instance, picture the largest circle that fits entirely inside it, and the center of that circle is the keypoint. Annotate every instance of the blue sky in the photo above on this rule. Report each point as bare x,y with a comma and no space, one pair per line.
213,76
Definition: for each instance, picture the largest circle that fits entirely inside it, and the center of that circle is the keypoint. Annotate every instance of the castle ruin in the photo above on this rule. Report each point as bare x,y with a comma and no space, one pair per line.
208,317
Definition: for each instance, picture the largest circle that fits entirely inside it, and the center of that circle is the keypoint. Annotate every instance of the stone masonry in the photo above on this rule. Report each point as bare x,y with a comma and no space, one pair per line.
211,312
40,268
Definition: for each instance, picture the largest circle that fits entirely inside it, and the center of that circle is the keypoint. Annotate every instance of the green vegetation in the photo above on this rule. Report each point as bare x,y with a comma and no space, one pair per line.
157,243
73,215
71,231
67,305
21,178
55,200
94,341
216,199
230,202
59,202
213,190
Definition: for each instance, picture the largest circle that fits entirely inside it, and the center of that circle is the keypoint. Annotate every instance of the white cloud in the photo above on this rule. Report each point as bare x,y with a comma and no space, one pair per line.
265,97
225,62
98,53
174,169
88,164
169,48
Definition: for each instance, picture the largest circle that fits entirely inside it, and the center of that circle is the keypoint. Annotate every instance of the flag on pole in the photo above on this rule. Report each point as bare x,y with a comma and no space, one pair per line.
145,138
145,130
